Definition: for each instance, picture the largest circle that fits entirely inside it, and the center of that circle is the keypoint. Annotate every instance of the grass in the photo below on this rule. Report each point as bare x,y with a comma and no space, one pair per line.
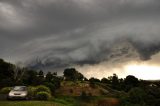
77,101
29,103
57,101
66,100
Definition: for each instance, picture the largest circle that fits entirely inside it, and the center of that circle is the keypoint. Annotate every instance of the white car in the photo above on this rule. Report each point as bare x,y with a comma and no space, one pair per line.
18,92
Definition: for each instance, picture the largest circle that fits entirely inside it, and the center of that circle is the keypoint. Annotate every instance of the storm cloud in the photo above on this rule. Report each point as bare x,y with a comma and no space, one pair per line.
61,33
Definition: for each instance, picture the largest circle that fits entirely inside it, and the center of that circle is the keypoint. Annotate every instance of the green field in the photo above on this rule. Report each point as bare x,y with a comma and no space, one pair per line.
29,103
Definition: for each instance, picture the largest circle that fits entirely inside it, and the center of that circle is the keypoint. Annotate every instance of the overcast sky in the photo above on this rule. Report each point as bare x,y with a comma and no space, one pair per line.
74,31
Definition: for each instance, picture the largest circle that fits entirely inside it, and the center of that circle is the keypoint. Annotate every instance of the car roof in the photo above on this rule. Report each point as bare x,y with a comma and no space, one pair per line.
20,86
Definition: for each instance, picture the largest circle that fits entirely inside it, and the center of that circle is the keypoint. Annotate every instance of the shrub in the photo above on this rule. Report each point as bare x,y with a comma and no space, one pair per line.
42,88
51,86
5,90
31,92
43,96
137,95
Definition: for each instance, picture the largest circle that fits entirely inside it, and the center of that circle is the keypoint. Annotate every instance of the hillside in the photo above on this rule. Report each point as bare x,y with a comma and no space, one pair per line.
83,94
69,88
76,88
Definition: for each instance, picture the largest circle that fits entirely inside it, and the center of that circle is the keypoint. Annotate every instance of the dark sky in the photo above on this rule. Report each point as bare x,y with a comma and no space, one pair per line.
74,31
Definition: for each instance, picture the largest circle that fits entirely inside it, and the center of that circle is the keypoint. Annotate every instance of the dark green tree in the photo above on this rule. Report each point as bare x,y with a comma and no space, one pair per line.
49,77
40,78
115,82
6,73
72,74
130,81
105,80
92,79
30,77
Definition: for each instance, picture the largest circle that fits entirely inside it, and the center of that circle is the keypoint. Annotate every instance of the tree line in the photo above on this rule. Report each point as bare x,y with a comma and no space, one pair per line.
11,74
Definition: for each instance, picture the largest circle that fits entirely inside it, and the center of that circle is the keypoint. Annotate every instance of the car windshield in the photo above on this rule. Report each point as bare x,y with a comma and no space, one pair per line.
19,88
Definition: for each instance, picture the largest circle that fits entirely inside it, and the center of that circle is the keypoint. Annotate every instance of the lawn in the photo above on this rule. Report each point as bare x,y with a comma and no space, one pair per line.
29,103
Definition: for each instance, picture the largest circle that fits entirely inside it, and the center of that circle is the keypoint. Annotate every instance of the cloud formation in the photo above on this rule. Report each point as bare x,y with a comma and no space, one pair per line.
74,32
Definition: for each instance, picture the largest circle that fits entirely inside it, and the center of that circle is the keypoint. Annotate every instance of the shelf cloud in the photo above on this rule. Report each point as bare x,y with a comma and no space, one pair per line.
62,33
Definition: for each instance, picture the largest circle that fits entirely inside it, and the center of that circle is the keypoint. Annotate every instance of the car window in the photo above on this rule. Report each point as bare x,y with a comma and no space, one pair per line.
19,88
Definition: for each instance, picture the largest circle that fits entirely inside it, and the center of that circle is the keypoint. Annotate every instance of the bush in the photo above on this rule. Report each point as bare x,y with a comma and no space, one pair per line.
5,90
31,92
43,96
137,95
42,88
51,86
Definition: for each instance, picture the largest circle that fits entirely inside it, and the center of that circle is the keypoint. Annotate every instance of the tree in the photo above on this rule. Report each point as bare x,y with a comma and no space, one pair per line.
49,77
115,82
80,76
6,73
92,79
41,74
40,77
130,82
52,81
18,74
105,80
85,79
30,77
54,73
72,74
121,84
